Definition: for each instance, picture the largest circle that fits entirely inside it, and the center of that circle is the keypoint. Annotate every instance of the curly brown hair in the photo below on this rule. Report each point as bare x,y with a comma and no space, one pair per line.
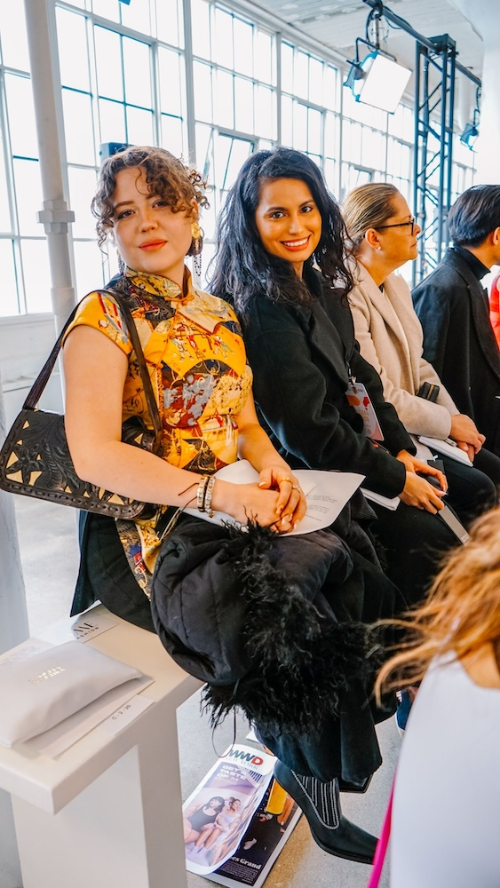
166,176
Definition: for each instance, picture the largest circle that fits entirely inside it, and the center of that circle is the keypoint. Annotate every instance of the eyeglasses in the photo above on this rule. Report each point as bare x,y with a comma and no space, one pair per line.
411,222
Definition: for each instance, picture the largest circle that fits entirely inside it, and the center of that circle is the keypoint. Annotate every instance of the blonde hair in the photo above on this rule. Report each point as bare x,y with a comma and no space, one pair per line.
367,206
462,612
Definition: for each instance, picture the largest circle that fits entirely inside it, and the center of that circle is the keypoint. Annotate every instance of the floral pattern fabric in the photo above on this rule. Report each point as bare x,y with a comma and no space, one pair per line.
196,360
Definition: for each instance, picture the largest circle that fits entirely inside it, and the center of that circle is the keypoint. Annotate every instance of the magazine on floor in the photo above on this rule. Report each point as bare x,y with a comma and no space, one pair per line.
326,494
233,829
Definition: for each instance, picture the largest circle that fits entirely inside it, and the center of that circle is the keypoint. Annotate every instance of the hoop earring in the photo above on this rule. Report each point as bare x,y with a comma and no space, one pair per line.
196,246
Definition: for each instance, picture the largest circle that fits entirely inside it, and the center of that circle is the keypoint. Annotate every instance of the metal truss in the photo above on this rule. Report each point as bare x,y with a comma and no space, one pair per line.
435,69
433,150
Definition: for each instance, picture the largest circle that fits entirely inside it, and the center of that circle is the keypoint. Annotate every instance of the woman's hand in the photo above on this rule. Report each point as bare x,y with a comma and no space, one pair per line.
291,501
467,448
412,465
275,475
464,432
247,502
419,493
275,501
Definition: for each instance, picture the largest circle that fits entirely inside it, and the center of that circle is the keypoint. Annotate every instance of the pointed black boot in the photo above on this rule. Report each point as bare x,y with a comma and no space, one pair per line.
347,786
321,805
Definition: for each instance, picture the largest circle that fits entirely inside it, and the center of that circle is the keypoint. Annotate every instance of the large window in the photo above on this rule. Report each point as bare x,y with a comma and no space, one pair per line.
23,253
235,97
118,85
212,89
309,108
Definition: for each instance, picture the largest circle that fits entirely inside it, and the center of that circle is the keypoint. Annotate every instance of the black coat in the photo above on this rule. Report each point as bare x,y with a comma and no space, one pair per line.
256,615
459,341
301,357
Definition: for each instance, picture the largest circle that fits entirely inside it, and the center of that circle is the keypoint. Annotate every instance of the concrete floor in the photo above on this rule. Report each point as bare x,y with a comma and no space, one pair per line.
49,554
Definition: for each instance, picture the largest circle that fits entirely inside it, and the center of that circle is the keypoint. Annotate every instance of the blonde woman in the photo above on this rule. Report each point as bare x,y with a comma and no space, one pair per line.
383,235
446,811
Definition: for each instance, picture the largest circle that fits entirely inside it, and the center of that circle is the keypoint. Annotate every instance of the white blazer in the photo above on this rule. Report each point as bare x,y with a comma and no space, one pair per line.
391,339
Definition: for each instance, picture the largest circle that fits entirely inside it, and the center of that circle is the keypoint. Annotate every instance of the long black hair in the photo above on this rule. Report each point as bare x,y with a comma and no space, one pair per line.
242,268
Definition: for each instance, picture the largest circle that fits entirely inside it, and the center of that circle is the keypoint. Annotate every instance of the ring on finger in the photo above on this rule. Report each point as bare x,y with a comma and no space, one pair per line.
288,480
295,487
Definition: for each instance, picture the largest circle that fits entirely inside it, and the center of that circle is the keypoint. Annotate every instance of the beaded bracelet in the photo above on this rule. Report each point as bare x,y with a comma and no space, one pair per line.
200,493
207,502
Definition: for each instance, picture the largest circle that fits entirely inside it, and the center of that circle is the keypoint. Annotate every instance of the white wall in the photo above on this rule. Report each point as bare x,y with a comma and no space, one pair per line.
25,344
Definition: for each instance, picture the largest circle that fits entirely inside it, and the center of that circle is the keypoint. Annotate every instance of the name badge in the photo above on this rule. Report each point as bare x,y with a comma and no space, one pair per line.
359,398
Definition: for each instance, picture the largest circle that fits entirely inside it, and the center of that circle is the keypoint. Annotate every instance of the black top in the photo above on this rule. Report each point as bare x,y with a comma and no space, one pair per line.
301,357
459,342
476,266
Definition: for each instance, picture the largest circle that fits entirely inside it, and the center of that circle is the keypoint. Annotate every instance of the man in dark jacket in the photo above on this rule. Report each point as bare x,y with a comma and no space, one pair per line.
454,312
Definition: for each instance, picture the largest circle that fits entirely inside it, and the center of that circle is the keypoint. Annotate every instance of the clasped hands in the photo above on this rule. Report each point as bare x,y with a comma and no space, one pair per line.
417,491
463,430
290,501
276,500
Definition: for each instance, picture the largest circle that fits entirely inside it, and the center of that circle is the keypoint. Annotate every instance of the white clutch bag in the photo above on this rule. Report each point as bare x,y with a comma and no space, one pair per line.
40,692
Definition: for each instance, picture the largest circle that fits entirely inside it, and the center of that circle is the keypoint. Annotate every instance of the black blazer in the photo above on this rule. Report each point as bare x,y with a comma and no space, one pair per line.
301,358
459,341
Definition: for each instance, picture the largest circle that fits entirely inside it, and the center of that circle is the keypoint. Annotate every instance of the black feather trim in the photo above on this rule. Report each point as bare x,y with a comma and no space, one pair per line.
302,658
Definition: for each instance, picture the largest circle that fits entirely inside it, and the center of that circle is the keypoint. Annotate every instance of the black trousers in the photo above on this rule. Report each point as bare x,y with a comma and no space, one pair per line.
472,490
346,746
414,541
105,574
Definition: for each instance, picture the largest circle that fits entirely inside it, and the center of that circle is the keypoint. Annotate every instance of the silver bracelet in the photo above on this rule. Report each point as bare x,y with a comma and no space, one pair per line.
207,503
200,493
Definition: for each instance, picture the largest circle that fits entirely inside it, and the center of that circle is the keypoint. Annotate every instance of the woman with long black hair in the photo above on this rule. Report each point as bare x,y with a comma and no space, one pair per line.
280,261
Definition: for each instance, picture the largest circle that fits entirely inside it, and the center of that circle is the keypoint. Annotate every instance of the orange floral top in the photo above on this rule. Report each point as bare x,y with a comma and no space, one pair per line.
196,360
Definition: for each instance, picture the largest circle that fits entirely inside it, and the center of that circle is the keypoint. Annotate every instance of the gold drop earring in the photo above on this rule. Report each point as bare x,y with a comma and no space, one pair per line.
196,246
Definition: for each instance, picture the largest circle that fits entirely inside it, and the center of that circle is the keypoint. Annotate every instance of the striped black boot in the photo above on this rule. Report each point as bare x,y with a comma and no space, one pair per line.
320,802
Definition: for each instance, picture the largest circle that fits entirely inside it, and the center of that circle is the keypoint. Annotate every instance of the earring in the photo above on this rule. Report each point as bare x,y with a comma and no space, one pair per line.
121,263
196,246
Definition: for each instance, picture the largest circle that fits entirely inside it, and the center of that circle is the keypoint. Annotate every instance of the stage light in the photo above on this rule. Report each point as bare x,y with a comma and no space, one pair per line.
469,135
471,130
378,80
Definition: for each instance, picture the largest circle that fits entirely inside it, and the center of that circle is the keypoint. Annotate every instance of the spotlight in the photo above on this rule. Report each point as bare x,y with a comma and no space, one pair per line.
378,80
469,135
471,130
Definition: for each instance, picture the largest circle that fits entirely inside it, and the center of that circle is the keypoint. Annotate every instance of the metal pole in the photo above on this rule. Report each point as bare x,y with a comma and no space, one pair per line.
55,215
442,154
188,56
416,148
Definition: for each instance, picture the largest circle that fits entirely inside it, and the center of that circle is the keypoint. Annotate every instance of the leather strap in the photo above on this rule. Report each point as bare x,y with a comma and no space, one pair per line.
43,377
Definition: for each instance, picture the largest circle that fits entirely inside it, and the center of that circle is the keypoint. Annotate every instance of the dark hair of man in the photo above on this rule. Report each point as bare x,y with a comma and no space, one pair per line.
474,215
242,267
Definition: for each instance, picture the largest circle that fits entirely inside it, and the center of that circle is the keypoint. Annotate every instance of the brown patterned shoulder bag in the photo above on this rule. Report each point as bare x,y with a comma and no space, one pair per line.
35,458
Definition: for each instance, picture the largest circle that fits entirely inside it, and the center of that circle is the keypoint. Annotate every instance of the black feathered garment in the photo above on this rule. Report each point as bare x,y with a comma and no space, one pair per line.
274,625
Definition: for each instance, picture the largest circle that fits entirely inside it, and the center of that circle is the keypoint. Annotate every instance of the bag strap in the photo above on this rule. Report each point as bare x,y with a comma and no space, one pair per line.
43,377
382,844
